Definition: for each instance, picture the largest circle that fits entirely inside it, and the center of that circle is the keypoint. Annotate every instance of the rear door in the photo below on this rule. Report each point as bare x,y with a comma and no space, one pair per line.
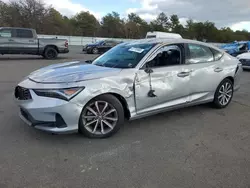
23,42
5,39
206,71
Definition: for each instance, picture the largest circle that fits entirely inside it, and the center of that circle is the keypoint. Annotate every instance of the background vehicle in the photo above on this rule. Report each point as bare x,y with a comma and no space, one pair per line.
245,60
100,46
236,48
132,80
25,41
158,34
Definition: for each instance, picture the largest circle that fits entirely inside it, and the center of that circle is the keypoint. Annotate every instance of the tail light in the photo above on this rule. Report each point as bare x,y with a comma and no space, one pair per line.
66,44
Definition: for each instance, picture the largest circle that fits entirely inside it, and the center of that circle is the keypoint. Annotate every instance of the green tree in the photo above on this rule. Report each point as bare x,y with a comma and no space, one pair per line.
85,24
112,26
136,27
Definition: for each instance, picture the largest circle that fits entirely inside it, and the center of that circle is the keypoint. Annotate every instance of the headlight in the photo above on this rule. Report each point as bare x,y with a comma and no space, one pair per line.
88,47
64,94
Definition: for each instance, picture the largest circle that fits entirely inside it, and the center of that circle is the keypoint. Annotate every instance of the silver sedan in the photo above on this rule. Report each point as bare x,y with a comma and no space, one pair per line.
132,80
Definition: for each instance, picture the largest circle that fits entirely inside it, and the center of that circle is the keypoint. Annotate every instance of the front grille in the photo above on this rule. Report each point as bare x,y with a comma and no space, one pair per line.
245,62
22,93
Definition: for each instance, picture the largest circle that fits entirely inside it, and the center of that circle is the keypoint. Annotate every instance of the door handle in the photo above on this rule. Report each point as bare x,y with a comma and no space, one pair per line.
11,40
183,74
218,69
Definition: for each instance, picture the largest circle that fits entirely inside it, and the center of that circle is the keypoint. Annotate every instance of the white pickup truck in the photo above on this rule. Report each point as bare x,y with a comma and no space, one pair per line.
25,41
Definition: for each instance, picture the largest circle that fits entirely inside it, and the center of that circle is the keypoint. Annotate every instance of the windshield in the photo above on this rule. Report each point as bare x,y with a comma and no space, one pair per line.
123,55
151,36
99,42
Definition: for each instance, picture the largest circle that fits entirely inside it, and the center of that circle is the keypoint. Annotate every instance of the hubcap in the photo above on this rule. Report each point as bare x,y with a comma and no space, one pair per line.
51,54
225,93
99,117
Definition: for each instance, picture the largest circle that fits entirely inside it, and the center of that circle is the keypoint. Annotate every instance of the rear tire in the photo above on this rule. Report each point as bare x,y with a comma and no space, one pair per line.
50,53
223,94
101,117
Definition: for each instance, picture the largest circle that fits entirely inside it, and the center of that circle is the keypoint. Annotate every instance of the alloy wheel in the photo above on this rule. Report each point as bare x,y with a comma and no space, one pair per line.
99,117
225,93
51,54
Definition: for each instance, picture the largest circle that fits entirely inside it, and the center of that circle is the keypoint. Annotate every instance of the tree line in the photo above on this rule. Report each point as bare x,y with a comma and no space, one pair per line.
46,20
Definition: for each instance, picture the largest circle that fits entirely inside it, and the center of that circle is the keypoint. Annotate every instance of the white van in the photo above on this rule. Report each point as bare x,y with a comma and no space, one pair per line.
158,34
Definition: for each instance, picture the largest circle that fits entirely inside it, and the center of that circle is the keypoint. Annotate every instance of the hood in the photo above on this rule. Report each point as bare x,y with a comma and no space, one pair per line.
244,56
71,72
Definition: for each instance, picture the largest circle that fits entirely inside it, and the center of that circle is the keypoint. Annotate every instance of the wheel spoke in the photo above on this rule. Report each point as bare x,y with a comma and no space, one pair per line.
109,112
229,86
227,99
97,107
89,117
91,122
92,110
108,124
105,107
223,88
224,100
102,129
228,96
221,92
220,96
110,118
96,125
221,100
226,86
229,91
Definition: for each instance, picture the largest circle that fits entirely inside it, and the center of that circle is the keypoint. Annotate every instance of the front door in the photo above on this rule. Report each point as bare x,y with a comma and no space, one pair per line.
168,83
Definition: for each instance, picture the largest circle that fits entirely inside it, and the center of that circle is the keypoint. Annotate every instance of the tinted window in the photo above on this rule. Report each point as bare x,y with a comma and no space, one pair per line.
151,36
200,54
126,55
24,33
217,54
5,33
167,56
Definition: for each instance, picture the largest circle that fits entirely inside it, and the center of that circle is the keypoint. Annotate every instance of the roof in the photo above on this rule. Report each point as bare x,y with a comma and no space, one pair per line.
169,41
15,28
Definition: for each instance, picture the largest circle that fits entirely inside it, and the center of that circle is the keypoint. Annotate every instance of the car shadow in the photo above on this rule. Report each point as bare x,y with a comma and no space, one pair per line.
130,129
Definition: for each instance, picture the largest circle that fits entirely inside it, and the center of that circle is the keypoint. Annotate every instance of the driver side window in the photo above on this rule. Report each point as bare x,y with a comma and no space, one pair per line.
167,56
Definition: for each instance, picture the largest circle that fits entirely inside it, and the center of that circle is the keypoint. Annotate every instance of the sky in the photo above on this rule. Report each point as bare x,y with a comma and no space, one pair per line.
224,13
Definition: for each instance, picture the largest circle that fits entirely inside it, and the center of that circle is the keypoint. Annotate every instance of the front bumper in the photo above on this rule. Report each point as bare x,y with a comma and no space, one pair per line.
50,114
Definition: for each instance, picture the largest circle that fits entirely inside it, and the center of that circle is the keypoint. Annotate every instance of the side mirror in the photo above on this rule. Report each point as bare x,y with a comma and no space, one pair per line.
148,68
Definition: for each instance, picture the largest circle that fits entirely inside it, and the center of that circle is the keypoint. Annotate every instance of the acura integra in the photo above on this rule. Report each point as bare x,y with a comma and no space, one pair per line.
132,80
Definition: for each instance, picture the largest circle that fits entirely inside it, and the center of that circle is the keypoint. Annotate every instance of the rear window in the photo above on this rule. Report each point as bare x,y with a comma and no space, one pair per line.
24,33
5,33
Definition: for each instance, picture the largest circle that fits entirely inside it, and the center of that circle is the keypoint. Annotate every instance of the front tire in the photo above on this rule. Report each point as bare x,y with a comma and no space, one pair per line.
223,94
101,117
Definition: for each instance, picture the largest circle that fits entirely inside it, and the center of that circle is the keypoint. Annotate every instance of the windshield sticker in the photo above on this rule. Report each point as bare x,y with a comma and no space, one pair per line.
137,50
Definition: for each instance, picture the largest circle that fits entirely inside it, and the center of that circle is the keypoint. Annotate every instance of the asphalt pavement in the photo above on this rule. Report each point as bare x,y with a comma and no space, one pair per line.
193,147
